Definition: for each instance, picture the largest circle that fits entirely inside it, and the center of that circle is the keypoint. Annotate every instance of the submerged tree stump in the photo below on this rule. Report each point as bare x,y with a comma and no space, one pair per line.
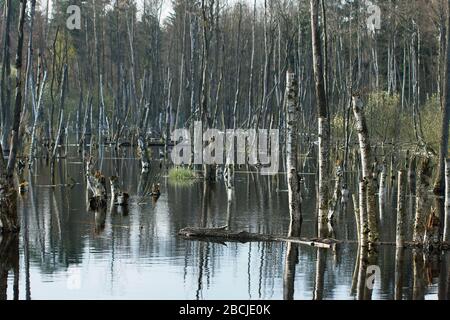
9,222
118,197
156,191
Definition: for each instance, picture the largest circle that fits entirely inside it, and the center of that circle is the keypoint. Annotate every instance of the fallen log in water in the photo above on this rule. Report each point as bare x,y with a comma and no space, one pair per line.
222,234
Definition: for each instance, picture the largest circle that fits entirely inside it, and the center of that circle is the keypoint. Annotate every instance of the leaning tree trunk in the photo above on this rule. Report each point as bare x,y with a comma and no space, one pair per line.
291,147
366,161
37,111
61,113
324,134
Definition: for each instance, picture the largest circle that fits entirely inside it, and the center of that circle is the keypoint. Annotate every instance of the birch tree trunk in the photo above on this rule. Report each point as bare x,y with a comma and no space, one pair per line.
366,161
324,134
37,113
382,190
447,201
29,66
363,223
252,67
291,147
61,112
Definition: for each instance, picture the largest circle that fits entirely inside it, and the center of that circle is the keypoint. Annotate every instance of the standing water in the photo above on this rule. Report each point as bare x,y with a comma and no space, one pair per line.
69,252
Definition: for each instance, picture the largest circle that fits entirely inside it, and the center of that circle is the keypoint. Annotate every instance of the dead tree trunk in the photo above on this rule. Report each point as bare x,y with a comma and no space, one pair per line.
8,194
422,200
14,148
447,201
363,223
382,190
96,183
37,112
401,208
61,113
118,197
399,262
252,68
443,145
291,147
29,65
366,161
323,120
336,194
5,77
145,162
223,235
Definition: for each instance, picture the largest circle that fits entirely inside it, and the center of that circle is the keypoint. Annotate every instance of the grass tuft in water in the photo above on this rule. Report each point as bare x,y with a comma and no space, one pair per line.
183,175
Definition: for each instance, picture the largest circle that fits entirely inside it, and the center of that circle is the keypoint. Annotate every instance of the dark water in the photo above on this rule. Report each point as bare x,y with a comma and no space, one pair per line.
68,252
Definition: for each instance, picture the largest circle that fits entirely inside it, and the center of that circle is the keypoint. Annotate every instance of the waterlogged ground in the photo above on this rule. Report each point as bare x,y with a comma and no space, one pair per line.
67,252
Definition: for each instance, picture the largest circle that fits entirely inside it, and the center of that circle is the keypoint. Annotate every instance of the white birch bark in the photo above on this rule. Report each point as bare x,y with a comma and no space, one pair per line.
447,201
291,147
366,161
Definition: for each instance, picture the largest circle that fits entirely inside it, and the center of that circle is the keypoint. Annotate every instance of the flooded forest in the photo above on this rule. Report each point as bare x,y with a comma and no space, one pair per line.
224,149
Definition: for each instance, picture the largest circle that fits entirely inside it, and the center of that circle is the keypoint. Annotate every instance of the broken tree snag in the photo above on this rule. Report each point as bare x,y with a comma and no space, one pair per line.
422,200
294,194
97,186
8,208
156,191
366,161
401,208
143,154
118,197
432,237
222,234
447,201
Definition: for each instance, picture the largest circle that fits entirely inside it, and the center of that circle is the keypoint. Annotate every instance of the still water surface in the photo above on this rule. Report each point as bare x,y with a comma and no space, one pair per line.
68,252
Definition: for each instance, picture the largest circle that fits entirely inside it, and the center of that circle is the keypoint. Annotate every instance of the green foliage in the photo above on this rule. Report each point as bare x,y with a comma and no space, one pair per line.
386,121
383,114
431,121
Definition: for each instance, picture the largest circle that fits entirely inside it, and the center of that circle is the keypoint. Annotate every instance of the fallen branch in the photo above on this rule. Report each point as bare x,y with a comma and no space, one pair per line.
222,234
